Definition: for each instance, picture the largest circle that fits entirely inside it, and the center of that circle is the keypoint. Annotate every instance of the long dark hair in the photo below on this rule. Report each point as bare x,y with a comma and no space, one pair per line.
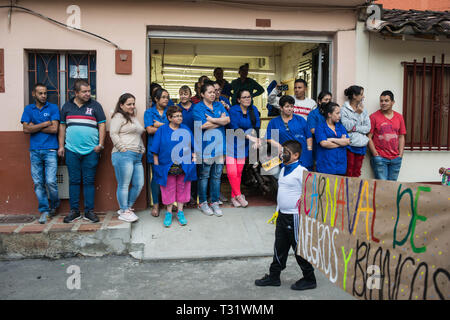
352,91
250,110
322,95
159,92
122,99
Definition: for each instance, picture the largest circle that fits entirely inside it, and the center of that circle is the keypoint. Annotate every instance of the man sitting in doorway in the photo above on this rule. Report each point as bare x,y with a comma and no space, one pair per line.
302,105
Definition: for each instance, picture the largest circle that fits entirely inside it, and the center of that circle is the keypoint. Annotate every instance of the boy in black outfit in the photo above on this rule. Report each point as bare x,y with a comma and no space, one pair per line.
286,231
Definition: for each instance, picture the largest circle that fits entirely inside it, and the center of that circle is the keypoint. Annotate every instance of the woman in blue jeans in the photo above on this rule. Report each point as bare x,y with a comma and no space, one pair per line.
126,135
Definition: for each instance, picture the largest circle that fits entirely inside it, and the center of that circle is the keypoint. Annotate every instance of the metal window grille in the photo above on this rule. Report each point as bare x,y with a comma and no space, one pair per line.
426,102
58,70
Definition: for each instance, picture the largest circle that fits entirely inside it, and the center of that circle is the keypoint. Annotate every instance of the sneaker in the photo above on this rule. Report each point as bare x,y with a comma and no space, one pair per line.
217,211
131,211
242,201
268,281
52,212
181,219
304,284
127,216
220,202
206,209
235,202
73,215
222,198
168,219
43,218
91,216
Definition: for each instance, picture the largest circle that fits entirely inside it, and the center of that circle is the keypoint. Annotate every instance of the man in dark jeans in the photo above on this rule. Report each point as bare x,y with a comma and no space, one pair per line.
81,139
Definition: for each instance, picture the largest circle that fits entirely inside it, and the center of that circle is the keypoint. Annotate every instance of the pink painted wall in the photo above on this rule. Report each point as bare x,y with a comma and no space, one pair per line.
125,23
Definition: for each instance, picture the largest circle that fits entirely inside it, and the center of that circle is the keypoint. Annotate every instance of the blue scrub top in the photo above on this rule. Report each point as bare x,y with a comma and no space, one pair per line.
298,130
151,115
164,143
314,118
331,161
49,112
208,147
240,121
188,116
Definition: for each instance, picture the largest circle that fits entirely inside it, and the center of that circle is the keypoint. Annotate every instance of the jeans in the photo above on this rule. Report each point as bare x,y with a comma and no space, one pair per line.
81,168
386,169
154,186
44,164
212,172
128,168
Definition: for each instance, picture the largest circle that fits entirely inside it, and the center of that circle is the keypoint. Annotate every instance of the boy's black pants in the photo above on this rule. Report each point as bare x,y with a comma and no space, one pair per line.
286,233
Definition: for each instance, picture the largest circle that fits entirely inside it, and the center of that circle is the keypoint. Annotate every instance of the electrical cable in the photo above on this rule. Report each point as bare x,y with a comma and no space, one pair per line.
59,23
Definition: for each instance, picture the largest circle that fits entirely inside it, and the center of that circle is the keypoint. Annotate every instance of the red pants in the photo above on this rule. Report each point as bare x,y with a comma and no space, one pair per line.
234,173
354,164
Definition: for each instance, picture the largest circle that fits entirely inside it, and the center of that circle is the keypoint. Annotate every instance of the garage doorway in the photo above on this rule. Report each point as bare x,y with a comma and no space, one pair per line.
177,58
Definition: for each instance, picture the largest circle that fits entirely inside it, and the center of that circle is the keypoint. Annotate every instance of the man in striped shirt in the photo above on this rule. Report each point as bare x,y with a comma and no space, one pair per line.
81,139
302,106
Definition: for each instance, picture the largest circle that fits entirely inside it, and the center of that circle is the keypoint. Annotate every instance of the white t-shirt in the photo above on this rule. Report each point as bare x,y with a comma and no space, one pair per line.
301,107
289,190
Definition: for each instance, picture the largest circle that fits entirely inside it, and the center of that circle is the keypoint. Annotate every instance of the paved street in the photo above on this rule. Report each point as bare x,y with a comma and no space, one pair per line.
122,277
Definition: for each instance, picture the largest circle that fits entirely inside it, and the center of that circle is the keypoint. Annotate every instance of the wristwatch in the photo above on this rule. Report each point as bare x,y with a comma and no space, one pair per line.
101,147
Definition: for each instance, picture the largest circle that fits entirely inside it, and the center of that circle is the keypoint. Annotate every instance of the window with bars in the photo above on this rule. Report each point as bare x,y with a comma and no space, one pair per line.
426,102
58,70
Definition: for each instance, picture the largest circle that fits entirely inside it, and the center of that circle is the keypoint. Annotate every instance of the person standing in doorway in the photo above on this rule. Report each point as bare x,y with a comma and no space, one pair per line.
81,138
386,139
40,120
225,86
212,118
302,104
357,122
154,118
126,135
245,83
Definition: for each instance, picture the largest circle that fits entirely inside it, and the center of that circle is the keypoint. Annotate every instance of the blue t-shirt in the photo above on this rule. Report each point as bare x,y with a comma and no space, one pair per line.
331,161
298,130
82,125
167,141
212,140
238,147
188,116
150,115
41,140
314,118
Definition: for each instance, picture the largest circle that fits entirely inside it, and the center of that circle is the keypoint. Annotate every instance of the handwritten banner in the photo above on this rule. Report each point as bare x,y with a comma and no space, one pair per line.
377,239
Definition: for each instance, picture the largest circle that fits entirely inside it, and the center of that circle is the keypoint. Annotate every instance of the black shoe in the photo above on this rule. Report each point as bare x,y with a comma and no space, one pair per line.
52,212
73,215
91,216
304,284
268,281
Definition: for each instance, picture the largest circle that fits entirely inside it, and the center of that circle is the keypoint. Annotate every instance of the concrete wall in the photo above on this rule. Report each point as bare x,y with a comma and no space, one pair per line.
378,68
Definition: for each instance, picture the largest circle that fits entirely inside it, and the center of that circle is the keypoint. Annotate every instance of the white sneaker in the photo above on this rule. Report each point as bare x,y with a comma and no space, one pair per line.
127,216
235,202
206,209
217,211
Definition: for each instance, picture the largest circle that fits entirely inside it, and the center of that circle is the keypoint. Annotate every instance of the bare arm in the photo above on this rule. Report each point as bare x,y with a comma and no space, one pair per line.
61,139
372,146
156,159
401,144
53,128
329,144
30,127
309,143
101,136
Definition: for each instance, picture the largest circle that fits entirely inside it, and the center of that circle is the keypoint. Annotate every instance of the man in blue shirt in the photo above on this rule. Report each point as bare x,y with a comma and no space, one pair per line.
291,127
40,120
81,139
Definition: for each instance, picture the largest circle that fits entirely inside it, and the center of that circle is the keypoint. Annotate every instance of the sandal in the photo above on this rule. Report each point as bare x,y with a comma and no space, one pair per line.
155,210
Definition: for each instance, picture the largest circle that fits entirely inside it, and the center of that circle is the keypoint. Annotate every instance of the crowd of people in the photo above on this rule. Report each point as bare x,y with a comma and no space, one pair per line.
188,143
